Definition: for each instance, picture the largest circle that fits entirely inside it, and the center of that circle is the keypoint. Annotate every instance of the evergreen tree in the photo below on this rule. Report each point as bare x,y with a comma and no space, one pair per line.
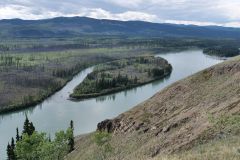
13,144
17,136
71,138
26,126
8,151
71,124
31,128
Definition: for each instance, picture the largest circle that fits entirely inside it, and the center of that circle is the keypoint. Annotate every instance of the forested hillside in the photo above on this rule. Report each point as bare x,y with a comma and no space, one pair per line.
77,26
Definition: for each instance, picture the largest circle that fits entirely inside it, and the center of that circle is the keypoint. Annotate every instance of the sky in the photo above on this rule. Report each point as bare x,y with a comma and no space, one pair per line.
198,12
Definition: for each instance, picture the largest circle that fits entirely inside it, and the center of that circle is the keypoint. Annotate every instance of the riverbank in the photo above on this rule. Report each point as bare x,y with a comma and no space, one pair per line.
193,117
33,79
111,91
120,75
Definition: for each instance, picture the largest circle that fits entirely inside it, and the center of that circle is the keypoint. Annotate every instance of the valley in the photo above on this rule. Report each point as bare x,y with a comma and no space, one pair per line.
55,112
119,80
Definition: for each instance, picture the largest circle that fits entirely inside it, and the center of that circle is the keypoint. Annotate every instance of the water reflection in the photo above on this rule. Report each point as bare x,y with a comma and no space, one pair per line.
107,97
56,112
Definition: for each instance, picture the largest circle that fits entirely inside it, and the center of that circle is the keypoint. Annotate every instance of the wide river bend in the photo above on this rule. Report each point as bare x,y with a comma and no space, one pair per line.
55,113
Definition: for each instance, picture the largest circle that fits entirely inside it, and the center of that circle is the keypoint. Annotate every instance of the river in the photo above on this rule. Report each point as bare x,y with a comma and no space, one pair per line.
55,113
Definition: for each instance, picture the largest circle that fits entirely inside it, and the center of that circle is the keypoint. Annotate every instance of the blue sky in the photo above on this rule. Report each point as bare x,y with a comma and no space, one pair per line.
199,12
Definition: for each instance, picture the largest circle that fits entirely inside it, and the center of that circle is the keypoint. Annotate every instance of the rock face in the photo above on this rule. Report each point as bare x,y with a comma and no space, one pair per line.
108,125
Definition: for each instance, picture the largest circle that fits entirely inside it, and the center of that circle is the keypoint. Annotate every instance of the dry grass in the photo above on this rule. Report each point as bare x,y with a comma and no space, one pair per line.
224,149
195,118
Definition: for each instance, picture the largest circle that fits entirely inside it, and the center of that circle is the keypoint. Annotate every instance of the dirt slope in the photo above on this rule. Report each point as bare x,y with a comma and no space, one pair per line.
197,110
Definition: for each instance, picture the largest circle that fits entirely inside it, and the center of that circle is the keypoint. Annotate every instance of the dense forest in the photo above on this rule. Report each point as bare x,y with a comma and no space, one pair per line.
222,51
122,74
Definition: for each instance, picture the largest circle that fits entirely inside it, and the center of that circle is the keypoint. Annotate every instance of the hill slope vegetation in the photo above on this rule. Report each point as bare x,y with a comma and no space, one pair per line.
195,118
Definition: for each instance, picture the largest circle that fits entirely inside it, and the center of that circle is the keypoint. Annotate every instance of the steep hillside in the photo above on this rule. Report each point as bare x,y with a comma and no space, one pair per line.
195,118
77,26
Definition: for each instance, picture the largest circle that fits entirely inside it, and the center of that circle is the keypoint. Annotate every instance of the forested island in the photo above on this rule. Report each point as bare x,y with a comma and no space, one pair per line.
122,74
222,51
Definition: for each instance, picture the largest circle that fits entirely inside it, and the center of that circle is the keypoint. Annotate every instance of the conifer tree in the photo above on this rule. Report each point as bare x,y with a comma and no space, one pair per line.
71,124
71,138
17,135
31,128
26,126
8,151
13,144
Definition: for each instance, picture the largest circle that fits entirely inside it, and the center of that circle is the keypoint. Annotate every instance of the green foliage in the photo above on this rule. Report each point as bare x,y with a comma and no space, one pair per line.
32,145
122,74
28,127
37,146
102,140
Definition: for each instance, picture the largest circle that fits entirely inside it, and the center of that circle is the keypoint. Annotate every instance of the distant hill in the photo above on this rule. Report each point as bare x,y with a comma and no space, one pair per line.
77,26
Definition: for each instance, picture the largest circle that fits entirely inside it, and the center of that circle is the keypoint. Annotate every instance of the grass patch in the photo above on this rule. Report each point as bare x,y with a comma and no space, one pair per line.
104,148
224,149
226,124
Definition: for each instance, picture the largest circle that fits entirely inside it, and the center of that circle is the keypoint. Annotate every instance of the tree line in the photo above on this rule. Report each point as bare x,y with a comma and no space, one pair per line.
104,83
222,51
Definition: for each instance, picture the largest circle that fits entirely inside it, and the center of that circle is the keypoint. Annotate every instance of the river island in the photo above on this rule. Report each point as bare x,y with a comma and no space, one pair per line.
122,74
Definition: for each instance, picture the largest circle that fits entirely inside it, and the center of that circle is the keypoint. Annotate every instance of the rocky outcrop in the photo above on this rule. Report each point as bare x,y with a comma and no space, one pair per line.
108,125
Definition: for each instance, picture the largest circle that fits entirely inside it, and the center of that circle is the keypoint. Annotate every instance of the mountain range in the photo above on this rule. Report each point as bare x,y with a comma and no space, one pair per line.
79,26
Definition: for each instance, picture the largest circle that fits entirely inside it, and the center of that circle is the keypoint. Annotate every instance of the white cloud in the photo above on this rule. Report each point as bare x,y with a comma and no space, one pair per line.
198,23
191,22
229,9
125,16
232,24
127,4
17,11
198,12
